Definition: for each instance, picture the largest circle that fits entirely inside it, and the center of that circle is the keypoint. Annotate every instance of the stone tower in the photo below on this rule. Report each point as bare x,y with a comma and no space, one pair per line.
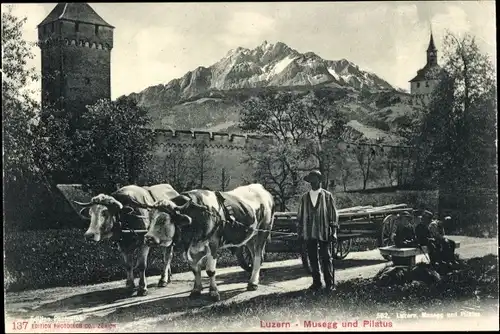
427,78
76,45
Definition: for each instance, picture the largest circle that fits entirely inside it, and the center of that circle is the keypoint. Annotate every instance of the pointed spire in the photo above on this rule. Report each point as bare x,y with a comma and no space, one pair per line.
431,46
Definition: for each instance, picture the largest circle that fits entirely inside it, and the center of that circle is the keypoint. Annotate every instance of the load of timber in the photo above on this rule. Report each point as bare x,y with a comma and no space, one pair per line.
348,214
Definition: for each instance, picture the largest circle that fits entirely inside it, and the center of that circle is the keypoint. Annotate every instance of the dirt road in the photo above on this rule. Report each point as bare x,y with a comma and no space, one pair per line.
108,302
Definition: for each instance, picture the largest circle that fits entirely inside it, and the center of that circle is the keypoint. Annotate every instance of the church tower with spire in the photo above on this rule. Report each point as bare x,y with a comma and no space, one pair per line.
427,77
75,45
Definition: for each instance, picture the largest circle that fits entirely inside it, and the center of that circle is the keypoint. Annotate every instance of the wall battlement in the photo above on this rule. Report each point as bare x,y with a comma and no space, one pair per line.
221,140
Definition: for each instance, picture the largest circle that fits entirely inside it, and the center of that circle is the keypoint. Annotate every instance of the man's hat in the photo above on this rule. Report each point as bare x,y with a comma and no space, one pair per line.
427,213
406,214
313,173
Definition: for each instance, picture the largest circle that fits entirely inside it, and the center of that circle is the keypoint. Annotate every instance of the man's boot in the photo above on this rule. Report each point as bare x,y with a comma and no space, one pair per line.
330,285
316,283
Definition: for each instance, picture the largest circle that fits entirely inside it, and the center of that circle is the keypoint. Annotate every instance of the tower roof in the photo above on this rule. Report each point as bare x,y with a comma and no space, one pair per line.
431,46
428,72
78,12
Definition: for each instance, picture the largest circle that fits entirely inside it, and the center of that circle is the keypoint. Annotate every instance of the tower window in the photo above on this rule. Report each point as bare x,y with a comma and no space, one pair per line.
52,27
418,84
77,27
427,84
97,30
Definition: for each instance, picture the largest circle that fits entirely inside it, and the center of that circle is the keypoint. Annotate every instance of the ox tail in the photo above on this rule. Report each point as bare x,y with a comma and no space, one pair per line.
273,216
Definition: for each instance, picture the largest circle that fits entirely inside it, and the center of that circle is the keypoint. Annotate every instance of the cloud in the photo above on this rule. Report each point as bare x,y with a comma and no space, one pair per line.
246,29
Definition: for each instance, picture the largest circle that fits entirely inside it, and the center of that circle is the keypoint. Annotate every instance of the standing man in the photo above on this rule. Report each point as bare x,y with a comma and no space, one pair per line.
317,224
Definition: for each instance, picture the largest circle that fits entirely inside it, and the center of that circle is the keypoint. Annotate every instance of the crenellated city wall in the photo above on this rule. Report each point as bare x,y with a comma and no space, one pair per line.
177,153
219,140
225,151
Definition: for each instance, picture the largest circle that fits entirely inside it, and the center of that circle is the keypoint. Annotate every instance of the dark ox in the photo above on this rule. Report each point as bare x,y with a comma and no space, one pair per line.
111,217
205,227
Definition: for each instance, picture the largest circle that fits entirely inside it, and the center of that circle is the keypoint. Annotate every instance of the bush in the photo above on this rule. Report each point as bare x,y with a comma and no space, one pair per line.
51,258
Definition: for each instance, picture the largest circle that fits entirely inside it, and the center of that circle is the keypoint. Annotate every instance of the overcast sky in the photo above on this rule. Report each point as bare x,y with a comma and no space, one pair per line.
157,42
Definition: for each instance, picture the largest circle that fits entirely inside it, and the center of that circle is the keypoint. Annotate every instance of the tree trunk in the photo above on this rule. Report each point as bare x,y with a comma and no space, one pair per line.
223,179
202,171
365,181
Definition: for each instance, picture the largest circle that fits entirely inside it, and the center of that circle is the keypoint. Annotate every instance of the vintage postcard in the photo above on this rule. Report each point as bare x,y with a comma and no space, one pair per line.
243,166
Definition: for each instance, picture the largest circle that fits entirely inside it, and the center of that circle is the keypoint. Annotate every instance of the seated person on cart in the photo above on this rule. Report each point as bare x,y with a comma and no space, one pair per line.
430,232
404,234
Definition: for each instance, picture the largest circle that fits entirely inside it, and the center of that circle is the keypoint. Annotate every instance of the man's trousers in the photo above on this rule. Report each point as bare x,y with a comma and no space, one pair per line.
325,256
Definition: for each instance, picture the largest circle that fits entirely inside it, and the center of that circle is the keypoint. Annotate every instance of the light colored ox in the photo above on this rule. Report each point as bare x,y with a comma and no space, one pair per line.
112,217
205,225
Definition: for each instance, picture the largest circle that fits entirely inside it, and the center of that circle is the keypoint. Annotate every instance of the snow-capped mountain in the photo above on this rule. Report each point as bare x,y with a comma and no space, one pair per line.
269,65
209,97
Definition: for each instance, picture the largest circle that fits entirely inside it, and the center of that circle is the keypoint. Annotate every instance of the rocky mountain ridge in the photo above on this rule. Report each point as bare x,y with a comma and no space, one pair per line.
209,98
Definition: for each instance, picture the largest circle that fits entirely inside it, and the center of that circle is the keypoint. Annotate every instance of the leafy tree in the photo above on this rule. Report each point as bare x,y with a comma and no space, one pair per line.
458,132
113,143
225,179
177,170
19,109
390,163
366,156
54,149
202,164
276,167
277,114
33,144
305,126
186,169
346,167
324,127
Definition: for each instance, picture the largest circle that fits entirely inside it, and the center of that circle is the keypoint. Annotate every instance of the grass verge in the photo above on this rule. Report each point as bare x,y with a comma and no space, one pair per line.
55,258
472,288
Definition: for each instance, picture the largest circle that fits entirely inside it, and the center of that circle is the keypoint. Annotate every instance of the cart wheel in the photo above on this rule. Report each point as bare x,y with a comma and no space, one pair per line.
341,248
245,259
388,232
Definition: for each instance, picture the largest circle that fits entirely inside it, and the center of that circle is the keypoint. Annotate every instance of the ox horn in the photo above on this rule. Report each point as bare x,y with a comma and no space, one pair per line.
107,201
191,203
161,205
185,205
80,213
84,204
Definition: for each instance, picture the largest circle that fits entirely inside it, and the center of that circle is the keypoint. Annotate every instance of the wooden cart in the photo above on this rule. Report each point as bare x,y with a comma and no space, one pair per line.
355,222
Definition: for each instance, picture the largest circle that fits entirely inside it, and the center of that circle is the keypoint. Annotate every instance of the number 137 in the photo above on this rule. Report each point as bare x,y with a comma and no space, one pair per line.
17,325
